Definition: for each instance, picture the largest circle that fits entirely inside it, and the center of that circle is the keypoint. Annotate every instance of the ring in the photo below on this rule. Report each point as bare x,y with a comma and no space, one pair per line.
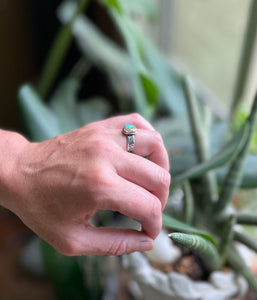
130,131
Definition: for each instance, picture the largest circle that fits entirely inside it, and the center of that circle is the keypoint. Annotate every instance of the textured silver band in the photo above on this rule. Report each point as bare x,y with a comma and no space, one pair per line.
130,131
131,143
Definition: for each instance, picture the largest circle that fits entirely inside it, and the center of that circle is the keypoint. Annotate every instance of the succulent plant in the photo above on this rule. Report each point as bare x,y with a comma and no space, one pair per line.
210,226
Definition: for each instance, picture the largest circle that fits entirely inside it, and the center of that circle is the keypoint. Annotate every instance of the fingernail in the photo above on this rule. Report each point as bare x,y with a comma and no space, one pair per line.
145,245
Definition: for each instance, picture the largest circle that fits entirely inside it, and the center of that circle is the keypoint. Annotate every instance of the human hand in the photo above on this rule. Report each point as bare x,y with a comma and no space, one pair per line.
59,184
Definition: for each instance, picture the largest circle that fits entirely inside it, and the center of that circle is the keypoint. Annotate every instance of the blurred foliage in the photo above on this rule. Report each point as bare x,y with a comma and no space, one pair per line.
143,80
239,118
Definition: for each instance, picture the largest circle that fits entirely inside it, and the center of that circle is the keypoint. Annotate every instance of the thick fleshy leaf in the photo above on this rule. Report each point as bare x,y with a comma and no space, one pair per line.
247,240
226,236
64,104
39,122
249,180
151,91
201,247
169,83
246,218
234,175
225,155
174,224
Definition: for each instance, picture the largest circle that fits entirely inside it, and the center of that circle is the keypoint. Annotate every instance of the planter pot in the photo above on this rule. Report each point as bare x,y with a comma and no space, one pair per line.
155,284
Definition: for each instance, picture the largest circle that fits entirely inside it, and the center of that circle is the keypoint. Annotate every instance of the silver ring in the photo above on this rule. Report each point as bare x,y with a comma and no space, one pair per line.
130,131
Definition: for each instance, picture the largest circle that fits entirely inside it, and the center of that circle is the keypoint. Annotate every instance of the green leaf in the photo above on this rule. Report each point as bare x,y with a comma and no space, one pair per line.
113,4
167,80
150,88
201,247
58,52
174,224
139,83
65,273
247,240
239,265
64,104
227,235
235,173
188,202
246,218
226,154
39,122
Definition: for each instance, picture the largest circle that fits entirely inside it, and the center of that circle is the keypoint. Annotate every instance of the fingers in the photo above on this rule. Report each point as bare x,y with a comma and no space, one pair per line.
135,202
145,174
108,241
150,144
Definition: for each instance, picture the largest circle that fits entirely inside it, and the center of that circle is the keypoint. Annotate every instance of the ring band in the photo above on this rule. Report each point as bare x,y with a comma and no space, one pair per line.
130,131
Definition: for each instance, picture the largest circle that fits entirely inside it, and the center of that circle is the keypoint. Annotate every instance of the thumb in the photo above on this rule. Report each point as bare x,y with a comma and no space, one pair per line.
113,241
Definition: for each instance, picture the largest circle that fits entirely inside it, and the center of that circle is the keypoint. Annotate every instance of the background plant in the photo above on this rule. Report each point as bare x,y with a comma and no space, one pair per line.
207,167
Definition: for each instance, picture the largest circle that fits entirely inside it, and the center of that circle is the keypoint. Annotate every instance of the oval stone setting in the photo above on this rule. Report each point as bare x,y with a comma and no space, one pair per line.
129,129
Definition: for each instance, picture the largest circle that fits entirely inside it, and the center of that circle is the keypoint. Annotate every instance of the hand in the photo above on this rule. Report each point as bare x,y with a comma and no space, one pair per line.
59,184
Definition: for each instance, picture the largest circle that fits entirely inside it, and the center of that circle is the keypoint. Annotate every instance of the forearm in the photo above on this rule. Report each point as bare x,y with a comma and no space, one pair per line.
11,145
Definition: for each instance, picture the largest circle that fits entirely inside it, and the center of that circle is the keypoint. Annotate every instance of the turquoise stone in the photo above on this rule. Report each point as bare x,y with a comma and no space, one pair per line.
129,129
129,126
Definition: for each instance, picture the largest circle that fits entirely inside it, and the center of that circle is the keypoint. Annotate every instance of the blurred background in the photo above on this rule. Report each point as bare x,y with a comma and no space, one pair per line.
203,37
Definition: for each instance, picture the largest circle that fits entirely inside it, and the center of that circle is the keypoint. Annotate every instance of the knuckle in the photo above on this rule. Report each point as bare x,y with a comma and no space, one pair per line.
117,248
99,178
164,179
158,139
155,209
136,117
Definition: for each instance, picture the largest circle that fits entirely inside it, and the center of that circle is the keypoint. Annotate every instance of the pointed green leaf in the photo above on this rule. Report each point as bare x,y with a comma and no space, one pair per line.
151,91
58,52
113,4
40,123
226,154
226,235
174,224
201,247
235,173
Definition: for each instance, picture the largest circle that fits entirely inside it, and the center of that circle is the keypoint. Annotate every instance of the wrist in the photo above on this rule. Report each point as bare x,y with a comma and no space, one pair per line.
11,146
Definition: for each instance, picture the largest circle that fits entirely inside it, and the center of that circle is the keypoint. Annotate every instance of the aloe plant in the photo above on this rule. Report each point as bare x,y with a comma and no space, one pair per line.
209,172
210,214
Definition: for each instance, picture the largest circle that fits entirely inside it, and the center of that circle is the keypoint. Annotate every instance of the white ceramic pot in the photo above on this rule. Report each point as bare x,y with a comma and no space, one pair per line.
156,285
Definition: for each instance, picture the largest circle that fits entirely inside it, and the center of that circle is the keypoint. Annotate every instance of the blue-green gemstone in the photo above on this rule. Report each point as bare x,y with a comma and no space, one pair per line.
129,126
129,129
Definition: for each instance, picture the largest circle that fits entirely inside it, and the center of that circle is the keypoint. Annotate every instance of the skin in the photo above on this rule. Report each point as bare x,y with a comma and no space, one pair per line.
56,186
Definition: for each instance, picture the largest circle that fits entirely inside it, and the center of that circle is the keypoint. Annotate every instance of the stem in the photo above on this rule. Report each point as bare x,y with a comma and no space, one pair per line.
246,219
226,237
246,240
234,176
200,139
188,202
58,53
248,46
